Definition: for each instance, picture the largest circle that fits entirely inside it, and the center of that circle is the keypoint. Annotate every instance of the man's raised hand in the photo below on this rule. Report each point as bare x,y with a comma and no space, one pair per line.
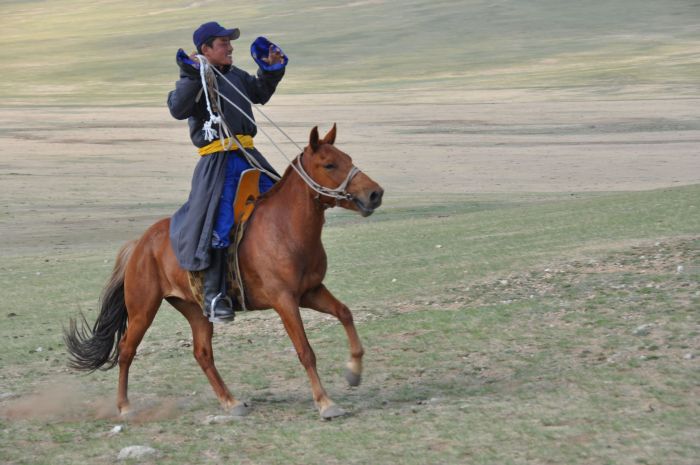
275,55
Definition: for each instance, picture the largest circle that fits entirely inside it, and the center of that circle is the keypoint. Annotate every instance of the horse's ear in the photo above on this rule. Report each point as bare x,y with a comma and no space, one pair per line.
330,137
313,139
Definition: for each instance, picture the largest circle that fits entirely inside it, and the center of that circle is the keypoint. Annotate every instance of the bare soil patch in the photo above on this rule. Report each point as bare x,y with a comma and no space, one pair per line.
113,170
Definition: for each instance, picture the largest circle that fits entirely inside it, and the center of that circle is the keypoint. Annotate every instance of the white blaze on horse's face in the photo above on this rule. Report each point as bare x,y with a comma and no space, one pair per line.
331,167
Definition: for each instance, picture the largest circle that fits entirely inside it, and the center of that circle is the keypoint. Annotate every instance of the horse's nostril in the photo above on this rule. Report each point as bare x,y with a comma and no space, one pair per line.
376,197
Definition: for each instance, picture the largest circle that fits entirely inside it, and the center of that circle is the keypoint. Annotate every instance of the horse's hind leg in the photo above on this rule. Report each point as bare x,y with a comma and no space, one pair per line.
142,309
202,331
322,300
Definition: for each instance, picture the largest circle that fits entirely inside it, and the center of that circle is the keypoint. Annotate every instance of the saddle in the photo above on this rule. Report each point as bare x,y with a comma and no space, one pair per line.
247,194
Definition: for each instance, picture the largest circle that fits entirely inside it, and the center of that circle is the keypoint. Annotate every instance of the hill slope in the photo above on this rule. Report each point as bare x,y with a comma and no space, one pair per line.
109,51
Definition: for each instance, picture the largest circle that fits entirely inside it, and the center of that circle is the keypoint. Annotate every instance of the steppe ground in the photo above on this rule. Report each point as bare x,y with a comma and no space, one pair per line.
527,294
462,364
85,170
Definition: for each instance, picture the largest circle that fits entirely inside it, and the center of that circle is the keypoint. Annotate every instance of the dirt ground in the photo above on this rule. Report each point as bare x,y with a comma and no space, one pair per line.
76,165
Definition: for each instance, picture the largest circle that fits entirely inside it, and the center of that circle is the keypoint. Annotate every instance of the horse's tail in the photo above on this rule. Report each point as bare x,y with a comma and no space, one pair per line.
93,349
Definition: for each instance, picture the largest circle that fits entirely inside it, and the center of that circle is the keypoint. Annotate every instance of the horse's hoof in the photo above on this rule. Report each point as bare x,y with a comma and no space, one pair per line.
332,411
352,379
124,411
240,410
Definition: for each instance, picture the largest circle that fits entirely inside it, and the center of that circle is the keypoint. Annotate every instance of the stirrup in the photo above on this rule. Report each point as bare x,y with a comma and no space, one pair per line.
212,309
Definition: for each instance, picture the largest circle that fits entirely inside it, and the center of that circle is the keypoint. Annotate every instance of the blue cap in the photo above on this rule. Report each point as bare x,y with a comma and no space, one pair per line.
213,29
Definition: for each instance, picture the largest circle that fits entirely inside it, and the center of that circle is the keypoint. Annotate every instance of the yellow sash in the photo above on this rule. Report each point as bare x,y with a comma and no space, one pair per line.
217,146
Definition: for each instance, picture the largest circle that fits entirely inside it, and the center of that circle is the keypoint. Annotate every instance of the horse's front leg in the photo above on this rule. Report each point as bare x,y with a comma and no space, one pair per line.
288,310
322,300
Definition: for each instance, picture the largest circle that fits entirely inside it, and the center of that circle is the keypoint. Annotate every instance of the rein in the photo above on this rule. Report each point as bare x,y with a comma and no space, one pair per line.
339,193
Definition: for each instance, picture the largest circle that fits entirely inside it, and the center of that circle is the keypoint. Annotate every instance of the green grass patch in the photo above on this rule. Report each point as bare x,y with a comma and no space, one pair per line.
545,329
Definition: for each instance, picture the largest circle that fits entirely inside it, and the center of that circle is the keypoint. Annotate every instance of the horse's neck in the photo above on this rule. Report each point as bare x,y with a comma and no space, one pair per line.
295,210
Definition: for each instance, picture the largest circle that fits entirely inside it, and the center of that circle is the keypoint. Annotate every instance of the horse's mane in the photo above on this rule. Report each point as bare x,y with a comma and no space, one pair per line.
277,186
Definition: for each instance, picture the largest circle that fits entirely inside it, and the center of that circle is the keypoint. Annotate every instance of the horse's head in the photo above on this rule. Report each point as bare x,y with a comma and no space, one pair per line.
332,169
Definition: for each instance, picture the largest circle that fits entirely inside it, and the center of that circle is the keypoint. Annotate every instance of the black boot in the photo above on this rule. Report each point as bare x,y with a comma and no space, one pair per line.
215,289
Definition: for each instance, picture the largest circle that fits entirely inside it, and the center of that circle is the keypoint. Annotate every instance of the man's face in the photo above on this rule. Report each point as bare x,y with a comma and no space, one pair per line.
219,54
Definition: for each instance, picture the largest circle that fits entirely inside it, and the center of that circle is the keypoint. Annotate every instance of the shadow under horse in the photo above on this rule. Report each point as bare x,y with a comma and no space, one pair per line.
282,263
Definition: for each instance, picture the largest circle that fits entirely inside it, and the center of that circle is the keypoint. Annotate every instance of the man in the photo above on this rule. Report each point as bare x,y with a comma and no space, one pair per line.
200,230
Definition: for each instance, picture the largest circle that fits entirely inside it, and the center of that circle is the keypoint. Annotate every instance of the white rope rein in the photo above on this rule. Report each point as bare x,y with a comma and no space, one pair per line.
209,131
339,193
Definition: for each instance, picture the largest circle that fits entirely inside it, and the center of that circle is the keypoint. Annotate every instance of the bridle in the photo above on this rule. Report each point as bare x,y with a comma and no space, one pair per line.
339,193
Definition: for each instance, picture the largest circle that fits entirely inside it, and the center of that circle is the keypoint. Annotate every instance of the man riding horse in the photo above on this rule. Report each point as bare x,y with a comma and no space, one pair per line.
200,230
281,258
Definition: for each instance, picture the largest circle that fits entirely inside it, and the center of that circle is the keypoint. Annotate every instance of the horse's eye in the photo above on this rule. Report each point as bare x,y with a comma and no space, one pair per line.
329,166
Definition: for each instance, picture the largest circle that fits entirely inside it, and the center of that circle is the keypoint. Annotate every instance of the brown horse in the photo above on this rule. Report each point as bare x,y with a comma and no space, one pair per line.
282,263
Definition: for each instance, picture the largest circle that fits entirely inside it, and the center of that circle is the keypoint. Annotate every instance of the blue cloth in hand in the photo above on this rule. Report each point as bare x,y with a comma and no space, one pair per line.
187,64
260,49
